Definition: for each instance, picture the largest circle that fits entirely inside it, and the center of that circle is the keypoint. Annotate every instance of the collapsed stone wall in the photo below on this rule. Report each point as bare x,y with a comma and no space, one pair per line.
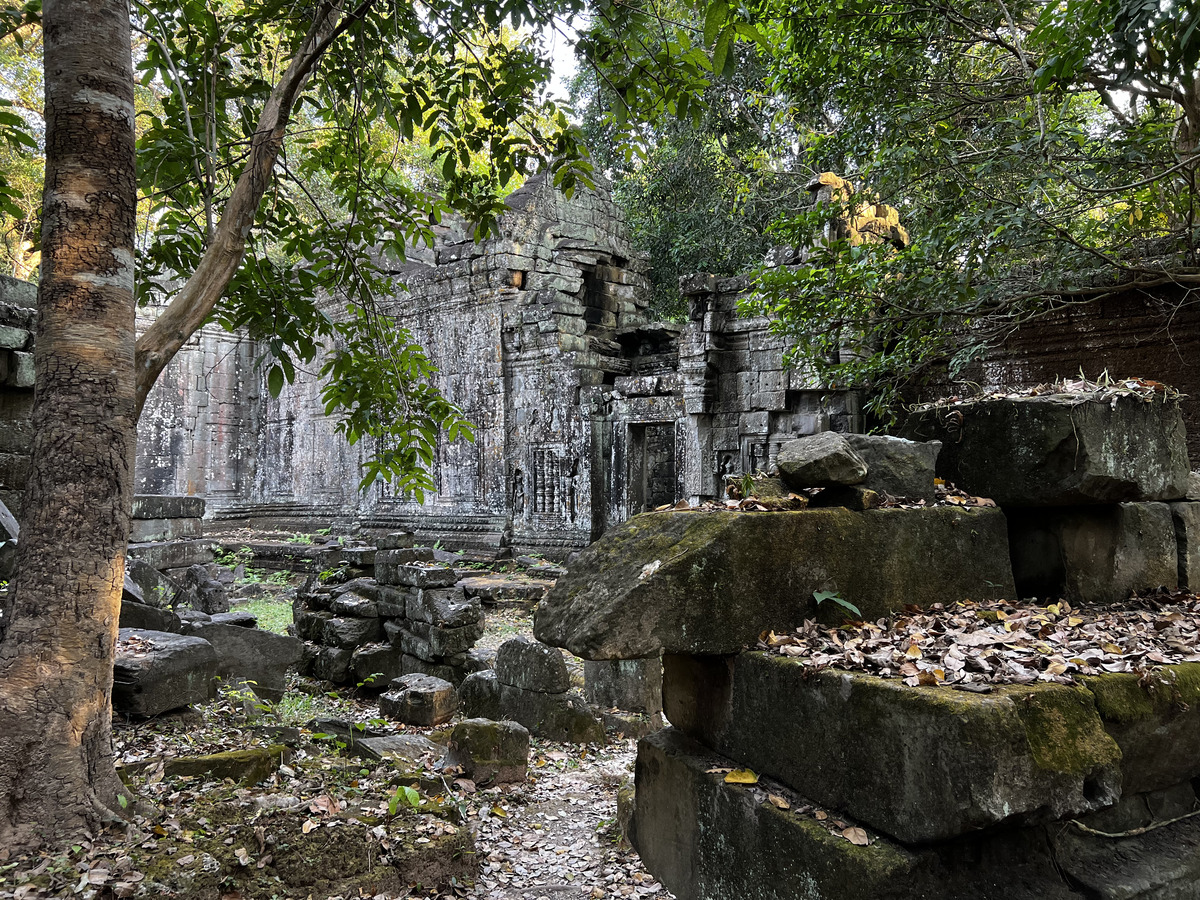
18,300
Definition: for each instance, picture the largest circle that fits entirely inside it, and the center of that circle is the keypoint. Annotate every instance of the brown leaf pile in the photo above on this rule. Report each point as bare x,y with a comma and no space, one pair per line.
973,645
1104,387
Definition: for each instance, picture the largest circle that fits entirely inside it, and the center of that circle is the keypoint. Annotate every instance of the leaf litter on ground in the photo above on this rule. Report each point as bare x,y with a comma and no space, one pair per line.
973,645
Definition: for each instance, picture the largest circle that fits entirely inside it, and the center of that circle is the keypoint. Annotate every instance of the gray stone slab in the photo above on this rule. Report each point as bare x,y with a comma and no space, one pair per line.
165,529
419,699
251,655
1185,516
1059,450
148,618
921,764
167,506
532,666
711,582
1093,554
896,466
173,554
155,672
820,460
627,684
489,752
556,717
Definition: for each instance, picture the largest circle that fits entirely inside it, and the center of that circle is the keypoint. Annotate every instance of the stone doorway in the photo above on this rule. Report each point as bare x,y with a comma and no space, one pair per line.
652,472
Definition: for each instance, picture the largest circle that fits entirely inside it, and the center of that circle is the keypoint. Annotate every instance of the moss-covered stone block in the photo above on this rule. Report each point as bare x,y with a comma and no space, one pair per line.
1155,721
710,582
921,764
243,766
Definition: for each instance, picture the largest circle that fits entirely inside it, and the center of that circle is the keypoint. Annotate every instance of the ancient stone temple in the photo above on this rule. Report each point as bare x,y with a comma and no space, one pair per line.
585,411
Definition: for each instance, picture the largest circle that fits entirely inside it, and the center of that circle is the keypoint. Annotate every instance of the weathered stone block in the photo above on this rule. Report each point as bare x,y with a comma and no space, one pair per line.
445,670
163,506
897,466
157,589
396,540
532,666
14,338
628,684
820,460
1059,450
248,766
707,840
489,752
379,663
479,695
921,764
350,633
355,606
448,607
261,657
310,624
147,618
173,554
333,664
1185,516
154,672
694,582
1155,722
1094,554
556,717
198,590
421,576
21,371
164,529
419,700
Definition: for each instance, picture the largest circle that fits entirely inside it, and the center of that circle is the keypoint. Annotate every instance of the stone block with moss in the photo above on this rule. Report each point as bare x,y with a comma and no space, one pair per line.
243,766
921,764
710,582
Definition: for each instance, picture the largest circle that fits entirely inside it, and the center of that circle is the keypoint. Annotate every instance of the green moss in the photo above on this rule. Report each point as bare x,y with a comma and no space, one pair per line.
244,766
1123,698
1064,731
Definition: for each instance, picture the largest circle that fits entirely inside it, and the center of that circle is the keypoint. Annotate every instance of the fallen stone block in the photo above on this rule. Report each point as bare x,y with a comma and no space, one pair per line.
243,766
479,695
634,685
238,617
156,588
419,700
148,618
396,540
248,654
1059,449
378,663
489,752
896,466
310,624
354,606
418,575
155,672
409,749
921,764
333,664
199,590
446,670
532,666
556,717
824,459
448,607
1094,554
710,582
350,633
706,839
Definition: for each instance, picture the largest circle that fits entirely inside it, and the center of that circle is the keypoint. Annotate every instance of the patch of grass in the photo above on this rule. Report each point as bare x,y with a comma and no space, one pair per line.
273,614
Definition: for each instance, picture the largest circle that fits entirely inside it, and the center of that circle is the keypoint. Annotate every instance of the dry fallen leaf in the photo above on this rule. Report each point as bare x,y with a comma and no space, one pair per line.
856,836
741,776
778,802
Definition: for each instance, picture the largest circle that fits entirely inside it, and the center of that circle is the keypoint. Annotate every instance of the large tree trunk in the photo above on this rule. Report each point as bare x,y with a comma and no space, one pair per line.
56,762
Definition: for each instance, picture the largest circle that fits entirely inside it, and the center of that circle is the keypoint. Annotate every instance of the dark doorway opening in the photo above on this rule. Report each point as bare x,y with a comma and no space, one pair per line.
652,473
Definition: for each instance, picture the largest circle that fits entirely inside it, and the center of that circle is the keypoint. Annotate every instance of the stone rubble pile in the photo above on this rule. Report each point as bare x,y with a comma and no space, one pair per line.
530,684
412,618
780,780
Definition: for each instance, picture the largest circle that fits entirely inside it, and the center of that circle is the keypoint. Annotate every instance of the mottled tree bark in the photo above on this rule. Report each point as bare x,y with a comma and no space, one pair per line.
56,761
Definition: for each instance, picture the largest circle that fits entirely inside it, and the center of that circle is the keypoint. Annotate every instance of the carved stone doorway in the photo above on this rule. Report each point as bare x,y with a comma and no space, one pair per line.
653,480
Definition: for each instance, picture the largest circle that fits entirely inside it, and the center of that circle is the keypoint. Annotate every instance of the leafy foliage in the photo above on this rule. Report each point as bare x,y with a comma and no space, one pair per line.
1036,155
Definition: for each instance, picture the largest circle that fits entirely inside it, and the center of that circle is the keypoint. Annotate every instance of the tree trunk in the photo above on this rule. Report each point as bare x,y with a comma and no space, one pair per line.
56,761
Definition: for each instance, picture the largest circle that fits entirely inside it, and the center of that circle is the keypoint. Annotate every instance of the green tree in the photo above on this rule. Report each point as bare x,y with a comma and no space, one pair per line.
1036,154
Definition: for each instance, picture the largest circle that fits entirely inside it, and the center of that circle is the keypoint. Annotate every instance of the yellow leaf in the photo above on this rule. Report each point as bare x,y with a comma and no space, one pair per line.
1072,621
308,826
778,801
1052,609
856,836
499,811
821,815
1110,648
913,652
741,776
1056,668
